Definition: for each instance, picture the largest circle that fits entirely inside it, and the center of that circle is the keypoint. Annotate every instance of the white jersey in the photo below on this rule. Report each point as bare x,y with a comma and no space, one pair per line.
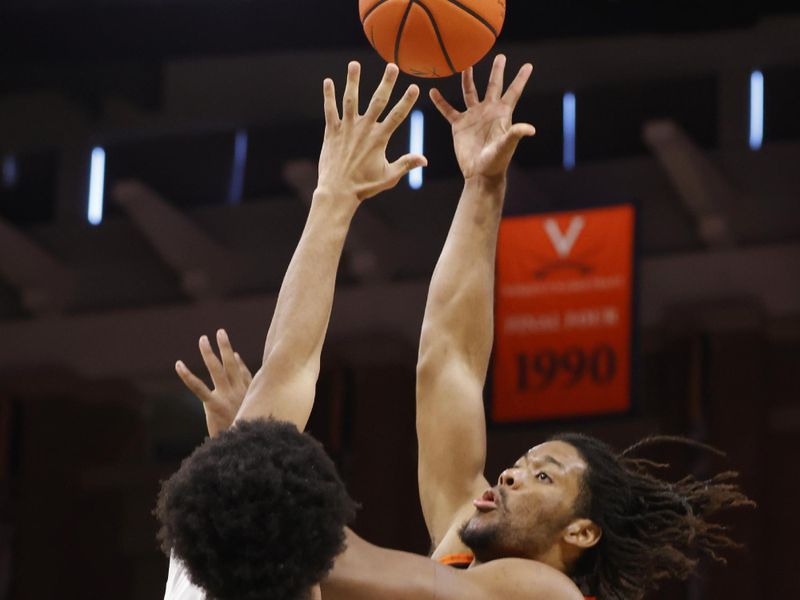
178,585
180,588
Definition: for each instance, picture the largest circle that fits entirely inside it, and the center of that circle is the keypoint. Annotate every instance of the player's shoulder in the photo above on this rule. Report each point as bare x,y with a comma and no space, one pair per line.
521,579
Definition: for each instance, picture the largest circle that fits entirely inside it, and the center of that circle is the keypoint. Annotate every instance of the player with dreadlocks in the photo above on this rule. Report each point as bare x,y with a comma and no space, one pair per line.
652,530
609,521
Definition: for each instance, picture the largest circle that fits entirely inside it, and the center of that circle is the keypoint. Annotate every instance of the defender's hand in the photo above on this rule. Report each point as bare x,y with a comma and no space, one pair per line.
484,137
230,377
353,159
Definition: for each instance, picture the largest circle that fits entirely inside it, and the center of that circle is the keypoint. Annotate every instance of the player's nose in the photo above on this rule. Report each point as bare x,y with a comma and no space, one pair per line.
509,479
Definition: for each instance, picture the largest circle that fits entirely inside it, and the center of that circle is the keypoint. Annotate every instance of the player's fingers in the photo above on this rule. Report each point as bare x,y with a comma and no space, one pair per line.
226,352
400,111
495,88
350,109
521,130
246,375
194,383
511,140
468,86
443,106
400,168
331,110
514,91
380,99
212,363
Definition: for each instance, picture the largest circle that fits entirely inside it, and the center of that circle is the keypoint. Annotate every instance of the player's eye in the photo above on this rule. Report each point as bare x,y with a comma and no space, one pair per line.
542,476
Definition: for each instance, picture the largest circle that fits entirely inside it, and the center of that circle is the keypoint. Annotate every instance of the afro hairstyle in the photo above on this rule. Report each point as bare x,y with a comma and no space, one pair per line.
257,512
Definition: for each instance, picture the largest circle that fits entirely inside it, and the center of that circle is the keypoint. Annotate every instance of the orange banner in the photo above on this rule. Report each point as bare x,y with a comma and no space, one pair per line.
563,315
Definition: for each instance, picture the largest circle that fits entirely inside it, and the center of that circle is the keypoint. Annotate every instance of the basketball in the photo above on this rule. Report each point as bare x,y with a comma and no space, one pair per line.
432,38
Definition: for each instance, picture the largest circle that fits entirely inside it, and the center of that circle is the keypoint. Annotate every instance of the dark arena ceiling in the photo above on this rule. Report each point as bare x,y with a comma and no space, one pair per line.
34,30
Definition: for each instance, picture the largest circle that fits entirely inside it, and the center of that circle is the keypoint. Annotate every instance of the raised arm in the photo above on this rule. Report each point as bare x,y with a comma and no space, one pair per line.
457,331
352,168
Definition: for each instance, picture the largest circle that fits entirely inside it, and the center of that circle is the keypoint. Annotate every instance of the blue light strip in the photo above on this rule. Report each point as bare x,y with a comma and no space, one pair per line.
239,167
9,171
756,110
416,146
569,131
97,179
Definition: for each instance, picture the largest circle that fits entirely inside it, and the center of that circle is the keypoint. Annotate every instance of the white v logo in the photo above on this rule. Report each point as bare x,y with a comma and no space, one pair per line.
563,243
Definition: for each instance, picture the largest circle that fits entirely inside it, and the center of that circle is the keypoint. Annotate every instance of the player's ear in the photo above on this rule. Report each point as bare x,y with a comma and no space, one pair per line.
582,533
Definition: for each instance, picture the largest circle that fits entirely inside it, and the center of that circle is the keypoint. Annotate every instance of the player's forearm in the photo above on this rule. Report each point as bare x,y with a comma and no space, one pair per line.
459,311
297,332
306,296
454,352
365,571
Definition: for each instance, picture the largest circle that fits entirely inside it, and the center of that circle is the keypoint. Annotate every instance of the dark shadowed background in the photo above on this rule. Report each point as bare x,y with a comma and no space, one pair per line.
209,113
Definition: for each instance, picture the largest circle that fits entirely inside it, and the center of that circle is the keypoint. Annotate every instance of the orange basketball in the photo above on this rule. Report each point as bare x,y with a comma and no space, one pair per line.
432,38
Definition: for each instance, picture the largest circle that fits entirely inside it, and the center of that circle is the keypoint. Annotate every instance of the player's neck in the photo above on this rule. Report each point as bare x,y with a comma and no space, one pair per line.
553,558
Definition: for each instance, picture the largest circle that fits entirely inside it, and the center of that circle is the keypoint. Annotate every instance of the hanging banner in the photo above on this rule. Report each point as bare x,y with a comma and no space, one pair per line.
564,315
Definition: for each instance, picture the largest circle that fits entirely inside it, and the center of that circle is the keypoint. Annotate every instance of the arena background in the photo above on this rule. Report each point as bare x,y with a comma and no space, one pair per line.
194,237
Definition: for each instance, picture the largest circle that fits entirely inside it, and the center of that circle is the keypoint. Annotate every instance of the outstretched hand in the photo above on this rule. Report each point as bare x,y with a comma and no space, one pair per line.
353,158
484,136
229,376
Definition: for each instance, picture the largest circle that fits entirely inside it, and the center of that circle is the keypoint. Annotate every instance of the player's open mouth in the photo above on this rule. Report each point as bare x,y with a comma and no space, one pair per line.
487,502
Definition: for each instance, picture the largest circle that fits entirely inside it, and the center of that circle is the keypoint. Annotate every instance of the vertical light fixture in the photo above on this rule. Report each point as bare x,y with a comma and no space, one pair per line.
239,166
9,171
569,111
97,181
756,110
416,146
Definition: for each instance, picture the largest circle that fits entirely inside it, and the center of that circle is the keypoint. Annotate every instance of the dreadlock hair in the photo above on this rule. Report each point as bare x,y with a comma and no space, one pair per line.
652,529
257,513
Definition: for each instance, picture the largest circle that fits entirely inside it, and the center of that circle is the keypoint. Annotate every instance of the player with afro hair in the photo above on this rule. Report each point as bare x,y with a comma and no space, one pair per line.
257,512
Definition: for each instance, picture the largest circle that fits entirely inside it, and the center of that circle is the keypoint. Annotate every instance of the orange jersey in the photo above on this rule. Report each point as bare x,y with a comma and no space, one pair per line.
463,561
457,561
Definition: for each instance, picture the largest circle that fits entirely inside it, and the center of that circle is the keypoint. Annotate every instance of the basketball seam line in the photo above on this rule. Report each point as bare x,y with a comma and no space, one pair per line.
400,32
438,35
372,9
468,10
